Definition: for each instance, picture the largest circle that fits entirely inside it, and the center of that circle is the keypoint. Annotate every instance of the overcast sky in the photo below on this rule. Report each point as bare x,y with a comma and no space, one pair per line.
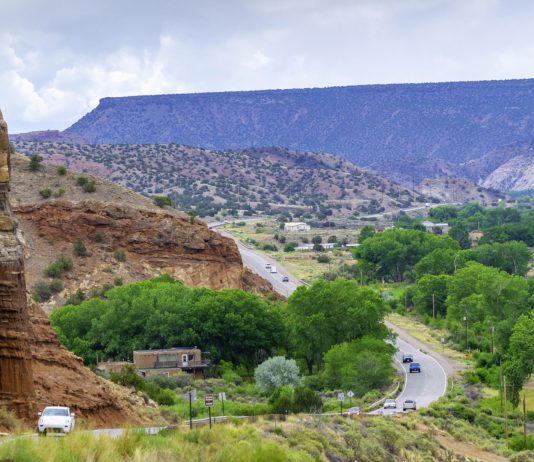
59,57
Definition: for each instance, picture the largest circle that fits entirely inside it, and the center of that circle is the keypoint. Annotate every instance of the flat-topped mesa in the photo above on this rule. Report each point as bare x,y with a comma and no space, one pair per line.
16,378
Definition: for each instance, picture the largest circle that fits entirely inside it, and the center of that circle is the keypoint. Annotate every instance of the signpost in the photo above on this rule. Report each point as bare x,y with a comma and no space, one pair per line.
350,394
341,398
222,397
208,402
192,397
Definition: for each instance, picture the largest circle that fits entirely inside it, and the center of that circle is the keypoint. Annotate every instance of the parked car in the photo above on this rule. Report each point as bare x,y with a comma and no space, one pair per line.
415,367
390,404
353,411
407,358
55,419
409,404
285,279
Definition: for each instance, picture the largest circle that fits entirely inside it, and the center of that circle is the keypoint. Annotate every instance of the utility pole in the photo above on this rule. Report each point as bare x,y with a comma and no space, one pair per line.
433,307
492,341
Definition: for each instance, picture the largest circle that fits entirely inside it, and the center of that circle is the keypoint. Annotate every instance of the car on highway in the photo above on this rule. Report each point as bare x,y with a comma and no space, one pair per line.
353,411
267,266
407,358
409,404
285,279
390,404
415,367
55,419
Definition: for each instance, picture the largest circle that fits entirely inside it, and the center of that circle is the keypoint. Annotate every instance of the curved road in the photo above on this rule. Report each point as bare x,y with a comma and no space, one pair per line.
424,387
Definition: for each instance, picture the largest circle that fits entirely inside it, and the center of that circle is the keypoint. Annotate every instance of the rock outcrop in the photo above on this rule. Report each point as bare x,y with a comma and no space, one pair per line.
16,376
154,242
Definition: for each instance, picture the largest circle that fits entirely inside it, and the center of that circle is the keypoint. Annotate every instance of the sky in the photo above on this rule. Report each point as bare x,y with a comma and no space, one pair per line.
59,57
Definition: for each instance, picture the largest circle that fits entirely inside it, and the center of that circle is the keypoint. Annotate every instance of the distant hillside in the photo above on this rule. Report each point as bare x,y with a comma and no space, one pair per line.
257,179
407,132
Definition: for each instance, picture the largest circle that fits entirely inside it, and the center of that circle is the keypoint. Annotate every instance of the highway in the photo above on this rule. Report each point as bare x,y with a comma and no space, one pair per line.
424,387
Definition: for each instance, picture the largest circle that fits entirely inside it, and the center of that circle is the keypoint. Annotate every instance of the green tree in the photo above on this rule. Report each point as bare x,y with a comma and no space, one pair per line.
512,257
367,231
45,193
443,213
61,170
440,261
328,313
317,240
361,366
519,364
460,233
430,295
35,162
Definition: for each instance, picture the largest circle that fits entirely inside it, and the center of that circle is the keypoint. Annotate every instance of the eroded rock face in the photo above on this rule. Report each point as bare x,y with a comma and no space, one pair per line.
152,240
16,376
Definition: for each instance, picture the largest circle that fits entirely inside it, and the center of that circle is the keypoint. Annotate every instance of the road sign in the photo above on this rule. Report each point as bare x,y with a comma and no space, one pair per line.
222,396
341,396
208,400
350,394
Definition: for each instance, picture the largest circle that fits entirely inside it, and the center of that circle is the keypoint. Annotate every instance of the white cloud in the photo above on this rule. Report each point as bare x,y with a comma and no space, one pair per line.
56,65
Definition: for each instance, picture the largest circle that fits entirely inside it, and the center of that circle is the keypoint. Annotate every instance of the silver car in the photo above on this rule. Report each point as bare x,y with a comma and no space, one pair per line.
55,419
390,404
409,404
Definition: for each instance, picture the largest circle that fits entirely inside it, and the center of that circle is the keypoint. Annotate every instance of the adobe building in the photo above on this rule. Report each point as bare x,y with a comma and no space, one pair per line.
171,360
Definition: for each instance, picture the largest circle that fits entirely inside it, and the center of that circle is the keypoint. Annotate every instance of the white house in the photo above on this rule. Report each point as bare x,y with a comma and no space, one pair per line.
296,227
436,228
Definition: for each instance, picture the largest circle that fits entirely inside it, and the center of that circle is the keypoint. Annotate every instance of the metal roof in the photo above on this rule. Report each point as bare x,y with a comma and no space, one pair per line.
162,350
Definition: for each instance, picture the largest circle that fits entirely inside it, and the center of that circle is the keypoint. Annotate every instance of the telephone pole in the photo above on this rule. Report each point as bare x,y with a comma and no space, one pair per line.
433,306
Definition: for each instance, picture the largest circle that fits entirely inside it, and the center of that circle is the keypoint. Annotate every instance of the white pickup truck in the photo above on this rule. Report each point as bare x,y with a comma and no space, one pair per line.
273,269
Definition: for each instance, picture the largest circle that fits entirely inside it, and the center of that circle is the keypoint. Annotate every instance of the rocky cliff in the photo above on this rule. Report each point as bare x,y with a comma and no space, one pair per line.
35,370
153,242
16,377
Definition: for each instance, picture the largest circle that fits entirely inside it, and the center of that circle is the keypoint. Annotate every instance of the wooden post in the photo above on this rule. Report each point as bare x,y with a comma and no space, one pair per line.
524,422
500,384
505,412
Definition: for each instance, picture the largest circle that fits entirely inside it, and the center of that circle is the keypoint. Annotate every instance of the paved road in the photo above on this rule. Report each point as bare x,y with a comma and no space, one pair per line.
424,387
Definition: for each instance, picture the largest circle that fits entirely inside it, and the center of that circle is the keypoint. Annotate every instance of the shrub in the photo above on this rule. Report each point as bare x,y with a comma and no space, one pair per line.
241,223
59,192
76,298
276,372
99,238
79,248
269,247
81,181
35,162
56,269
41,292
128,377
282,400
306,400
61,170
120,255
45,193
323,259
162,201
118,282
55,286
289,247
89,187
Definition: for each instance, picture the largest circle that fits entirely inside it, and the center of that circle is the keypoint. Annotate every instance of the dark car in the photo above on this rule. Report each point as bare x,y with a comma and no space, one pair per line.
285,279
415,367
407,358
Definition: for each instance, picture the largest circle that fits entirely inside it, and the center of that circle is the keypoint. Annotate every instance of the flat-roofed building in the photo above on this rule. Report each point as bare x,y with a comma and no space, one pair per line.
170,360
296,227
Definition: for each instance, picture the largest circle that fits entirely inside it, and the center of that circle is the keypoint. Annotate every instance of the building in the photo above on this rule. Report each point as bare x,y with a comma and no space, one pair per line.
170,360
296,227
436,228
